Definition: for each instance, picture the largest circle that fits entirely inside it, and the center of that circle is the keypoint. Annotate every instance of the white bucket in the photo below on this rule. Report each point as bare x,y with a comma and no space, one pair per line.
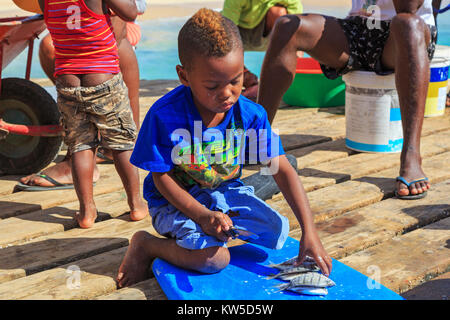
372,113
437,89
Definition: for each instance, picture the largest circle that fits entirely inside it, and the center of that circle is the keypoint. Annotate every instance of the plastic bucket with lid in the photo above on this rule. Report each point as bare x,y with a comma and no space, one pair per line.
372,113
312,89
437,89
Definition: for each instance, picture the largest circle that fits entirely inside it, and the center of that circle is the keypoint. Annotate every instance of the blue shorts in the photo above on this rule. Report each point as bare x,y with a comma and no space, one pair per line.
253,214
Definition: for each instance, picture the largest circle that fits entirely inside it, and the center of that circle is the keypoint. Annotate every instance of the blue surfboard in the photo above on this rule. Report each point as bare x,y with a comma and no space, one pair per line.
245,279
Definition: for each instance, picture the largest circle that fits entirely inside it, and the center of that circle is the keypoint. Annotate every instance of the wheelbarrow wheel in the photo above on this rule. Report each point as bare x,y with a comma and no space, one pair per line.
24,102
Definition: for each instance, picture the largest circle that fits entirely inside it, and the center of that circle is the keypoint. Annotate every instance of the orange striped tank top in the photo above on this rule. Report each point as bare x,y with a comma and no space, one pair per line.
84,41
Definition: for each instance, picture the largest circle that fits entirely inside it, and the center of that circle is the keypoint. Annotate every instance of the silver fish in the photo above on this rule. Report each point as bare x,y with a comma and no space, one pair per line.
307,263
310,291
309,279
291,272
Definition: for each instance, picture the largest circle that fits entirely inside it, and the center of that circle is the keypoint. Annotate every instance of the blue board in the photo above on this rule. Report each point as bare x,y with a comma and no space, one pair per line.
245,279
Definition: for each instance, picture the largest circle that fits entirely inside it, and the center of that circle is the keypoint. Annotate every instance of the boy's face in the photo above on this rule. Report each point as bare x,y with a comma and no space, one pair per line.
216,83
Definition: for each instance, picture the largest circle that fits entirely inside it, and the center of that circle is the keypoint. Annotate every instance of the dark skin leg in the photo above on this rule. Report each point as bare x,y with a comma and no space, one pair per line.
250,79
408,41
130,180
144,248
323,39
83,171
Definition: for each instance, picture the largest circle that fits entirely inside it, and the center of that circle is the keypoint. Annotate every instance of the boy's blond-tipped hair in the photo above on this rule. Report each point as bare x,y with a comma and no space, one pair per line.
207,33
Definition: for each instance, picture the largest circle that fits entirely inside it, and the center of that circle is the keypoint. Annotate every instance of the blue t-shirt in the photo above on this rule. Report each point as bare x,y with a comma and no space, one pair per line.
173,137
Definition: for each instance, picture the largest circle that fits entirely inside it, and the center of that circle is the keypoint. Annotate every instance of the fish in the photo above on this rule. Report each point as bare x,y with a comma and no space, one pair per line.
310,291
291,272
308,279
307,263
236,232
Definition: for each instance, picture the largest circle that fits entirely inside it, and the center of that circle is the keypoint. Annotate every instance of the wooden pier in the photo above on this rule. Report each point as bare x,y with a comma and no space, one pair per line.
360,222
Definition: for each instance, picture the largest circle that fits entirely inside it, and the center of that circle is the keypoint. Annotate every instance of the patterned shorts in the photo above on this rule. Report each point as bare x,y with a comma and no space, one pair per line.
366,46
100,115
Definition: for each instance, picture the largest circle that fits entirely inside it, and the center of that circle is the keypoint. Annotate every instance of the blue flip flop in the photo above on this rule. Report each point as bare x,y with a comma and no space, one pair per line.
410,196
56,185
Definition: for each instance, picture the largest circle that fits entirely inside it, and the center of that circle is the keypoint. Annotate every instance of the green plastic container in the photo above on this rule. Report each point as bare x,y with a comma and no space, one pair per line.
312,89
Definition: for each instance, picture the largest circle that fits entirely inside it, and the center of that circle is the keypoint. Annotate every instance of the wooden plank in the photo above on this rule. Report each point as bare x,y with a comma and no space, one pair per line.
28,226
338,199
7,184
145,290
312,155
332,201
436,289
24,202
95,274
405,261
61,248
297,139
364,164
366,227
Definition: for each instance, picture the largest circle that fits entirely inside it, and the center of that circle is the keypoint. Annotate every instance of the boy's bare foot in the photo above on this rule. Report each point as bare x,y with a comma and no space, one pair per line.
86,218
135,265
61,172
139,211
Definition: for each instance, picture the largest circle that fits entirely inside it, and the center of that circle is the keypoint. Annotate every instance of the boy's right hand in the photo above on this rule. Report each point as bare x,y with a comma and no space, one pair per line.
217,224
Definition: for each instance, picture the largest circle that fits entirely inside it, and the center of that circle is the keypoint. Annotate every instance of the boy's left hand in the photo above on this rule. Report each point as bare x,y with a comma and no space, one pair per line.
311,246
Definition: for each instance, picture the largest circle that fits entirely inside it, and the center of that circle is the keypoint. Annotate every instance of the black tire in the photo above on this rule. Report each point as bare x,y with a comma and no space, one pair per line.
24,102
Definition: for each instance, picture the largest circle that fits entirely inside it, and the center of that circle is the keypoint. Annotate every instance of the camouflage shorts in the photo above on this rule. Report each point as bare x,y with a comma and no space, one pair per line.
100,115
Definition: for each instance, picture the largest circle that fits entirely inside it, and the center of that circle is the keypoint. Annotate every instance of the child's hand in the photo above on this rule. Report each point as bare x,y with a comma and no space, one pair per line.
311,246
217,224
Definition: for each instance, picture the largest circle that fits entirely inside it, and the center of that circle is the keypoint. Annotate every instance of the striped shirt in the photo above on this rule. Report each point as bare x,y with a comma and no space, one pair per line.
84,41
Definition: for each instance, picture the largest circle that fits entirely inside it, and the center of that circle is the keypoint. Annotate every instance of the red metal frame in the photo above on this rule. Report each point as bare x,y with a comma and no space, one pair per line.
18,28
42,131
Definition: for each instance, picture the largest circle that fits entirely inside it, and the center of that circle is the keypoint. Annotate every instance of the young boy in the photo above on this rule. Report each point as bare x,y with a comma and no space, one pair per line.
193,188
92,97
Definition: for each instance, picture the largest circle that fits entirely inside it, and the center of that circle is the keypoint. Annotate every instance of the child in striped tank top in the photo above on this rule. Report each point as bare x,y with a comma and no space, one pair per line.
92,96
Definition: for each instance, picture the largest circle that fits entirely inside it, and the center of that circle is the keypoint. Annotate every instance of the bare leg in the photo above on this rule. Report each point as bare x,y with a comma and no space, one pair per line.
145,247
61,171
250,79
321,37
406,52
130,179
82,171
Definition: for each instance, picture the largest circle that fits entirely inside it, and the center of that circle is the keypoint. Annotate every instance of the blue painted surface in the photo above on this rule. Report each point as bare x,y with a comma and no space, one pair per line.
245,279
392,146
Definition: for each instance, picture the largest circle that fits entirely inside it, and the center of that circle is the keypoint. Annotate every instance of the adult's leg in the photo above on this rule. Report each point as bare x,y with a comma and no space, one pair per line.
320,36
406,53
251,80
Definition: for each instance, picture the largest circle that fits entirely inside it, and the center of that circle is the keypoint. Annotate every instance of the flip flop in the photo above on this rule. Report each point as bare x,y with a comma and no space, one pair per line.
410,196
56,185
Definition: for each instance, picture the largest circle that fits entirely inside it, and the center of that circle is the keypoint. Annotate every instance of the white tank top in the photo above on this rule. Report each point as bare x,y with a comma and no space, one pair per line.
387,9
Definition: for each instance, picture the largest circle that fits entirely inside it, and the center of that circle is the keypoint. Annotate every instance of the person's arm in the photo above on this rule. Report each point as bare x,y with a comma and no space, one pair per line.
292,189
407,6
125,9
214,223
232,10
